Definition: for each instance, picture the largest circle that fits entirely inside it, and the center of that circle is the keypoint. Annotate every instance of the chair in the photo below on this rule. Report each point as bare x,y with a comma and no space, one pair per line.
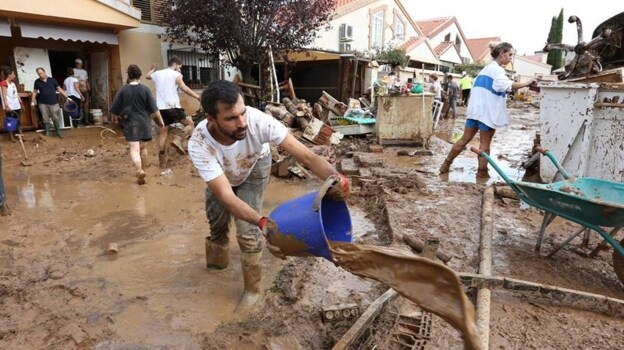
437,110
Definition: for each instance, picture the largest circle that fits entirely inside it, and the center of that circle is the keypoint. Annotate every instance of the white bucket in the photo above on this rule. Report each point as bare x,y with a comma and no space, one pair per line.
96,114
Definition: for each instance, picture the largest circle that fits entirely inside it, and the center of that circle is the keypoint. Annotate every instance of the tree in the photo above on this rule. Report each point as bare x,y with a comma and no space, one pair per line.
555,36
240,32
394,56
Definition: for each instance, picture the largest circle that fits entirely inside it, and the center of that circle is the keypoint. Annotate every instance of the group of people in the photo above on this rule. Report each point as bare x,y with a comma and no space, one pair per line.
450,92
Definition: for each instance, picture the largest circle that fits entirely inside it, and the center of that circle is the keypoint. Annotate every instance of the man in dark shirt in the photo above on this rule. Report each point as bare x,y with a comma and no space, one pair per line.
46,88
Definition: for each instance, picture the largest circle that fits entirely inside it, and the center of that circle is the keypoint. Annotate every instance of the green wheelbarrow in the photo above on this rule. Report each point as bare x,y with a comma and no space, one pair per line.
589,202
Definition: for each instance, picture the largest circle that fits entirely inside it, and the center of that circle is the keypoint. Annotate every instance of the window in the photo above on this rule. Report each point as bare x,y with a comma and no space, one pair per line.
399,29
150,11
198,69
377,32
447,37
458,42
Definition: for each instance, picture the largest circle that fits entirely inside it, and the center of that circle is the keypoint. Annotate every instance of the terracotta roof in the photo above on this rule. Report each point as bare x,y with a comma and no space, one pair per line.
442,47
479,48
412,42
341,3
431,27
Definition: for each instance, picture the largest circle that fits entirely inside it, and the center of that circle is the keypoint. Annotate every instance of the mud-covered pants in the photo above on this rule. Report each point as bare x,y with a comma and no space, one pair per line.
251,192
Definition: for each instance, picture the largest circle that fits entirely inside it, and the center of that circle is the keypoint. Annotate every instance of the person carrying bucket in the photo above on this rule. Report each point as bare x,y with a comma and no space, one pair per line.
72,86
231,152
11,102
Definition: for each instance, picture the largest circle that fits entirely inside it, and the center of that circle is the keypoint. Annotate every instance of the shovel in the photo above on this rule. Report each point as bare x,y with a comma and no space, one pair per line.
25,161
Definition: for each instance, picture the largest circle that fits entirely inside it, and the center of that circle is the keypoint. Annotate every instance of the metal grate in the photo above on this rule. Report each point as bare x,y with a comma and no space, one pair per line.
198,69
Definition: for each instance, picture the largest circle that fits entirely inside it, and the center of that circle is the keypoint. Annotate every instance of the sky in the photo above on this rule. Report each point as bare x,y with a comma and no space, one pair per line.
524,23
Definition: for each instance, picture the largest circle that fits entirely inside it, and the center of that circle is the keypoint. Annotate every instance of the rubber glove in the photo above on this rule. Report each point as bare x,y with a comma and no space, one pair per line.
267,225
341,189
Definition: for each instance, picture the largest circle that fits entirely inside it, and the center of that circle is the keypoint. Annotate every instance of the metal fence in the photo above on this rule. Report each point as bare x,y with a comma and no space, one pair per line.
198,69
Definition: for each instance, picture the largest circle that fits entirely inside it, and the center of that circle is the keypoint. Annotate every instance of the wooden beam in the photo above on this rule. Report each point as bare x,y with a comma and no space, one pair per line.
556,295
485,265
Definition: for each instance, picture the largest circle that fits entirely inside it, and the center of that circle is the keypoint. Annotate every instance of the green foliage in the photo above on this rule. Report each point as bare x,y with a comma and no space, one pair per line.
394,56
555,36
471,69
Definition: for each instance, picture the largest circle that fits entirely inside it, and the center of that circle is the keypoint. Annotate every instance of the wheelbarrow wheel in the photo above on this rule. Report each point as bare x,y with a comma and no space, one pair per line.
618,263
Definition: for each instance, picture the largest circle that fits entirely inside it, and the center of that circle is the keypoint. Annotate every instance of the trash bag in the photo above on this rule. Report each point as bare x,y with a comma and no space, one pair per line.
417,89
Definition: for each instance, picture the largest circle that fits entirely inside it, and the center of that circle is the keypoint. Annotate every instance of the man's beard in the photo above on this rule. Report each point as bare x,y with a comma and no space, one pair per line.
237,135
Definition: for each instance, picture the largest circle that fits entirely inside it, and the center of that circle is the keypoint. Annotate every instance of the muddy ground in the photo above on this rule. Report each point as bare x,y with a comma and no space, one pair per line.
59,289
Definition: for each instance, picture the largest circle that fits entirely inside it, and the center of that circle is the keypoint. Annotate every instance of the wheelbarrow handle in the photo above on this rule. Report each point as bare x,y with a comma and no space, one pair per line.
475,150
541,150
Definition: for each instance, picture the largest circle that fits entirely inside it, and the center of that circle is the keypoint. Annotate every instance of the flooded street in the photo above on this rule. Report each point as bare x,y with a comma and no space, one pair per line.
60,288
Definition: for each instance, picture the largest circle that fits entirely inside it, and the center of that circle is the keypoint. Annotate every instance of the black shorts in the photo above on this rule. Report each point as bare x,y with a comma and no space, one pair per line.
172,115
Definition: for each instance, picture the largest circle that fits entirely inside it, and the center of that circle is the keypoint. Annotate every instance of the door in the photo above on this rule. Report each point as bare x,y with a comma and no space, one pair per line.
99,82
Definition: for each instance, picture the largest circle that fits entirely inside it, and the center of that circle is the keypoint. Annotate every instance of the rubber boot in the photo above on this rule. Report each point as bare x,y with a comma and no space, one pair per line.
177,144
162,159
446,166
12,136
252,274
4,209
47,129
217,255
57,129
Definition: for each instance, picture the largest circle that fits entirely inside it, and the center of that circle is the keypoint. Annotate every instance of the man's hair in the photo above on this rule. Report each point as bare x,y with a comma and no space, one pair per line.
38,69
5,71
500,48
174,59
134,72
434,76
217,91
70,72
449,77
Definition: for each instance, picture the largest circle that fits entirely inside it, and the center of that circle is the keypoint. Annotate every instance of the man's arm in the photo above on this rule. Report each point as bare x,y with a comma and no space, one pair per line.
5,99
185,88
222,189
60,89
317,164
33,98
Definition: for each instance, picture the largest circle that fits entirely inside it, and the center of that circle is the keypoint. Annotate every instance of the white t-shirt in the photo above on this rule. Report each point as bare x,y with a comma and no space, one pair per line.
488,97
12,96
82,77
70,88
238,159
436,88
166,88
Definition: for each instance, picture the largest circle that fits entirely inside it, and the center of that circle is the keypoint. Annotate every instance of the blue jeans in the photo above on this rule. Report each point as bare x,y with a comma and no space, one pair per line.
2,191
251,191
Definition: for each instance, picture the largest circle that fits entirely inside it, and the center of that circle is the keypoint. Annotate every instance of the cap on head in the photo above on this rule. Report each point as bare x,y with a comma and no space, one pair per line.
78,61
463,73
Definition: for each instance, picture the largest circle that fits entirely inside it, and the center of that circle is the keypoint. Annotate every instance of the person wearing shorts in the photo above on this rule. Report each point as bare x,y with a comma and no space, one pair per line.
487,109
134,107
167,82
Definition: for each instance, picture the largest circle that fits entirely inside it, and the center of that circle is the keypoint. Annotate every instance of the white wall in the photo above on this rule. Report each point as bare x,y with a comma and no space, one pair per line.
454,31
526,67
360,19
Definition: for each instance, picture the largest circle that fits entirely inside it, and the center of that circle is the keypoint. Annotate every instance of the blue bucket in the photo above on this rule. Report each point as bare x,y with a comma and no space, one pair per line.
305,231
71,108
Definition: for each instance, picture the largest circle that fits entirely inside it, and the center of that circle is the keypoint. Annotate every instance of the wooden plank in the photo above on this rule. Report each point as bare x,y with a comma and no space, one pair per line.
373,310
558,296
485,265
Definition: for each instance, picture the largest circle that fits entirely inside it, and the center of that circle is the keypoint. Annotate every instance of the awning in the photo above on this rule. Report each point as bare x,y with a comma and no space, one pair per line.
5,27
56,32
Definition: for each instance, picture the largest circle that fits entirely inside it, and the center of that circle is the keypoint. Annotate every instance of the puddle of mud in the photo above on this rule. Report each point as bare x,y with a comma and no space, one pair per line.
156,289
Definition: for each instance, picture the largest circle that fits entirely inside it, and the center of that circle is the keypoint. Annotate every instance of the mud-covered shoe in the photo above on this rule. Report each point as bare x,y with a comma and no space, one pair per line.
483,173
177,144
4,210
446,166
141,177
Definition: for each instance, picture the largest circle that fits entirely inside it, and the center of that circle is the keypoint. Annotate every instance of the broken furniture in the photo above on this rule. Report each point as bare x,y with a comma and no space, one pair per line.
404,120
589,202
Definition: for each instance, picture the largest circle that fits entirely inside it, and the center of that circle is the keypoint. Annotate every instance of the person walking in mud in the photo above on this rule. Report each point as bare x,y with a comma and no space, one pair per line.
167,82
465,84
72,86
231,152
487,107
452,93
44,94
85,90
134,107
11,102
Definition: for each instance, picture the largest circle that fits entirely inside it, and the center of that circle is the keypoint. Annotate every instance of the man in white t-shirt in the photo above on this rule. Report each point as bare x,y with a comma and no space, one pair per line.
167,82
230,149
85,89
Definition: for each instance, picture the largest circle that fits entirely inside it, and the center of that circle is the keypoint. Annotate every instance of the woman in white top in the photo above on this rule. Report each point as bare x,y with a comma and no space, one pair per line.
10,98
487,106
72,87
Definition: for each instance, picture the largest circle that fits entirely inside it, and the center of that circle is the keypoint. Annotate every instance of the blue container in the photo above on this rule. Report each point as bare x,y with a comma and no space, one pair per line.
71,108
306,232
